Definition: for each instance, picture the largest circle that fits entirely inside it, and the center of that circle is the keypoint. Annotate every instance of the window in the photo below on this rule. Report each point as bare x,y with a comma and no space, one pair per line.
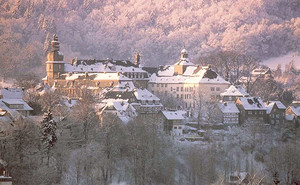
152,85
162,85
181,89
218,88
50,66
177,89
181,96
171,88
249,112
157,85
212,89
175,127
179,127
177,95
166,85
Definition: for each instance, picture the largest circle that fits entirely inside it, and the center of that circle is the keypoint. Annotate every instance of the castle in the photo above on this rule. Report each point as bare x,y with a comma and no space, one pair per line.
183,81
94,75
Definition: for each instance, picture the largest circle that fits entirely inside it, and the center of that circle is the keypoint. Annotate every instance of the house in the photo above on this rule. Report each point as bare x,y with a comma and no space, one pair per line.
146,102
230,113
293,110
275,112
261,73
233,92
173,122
252,110
187,82
12,102
142,101
239,178
121,109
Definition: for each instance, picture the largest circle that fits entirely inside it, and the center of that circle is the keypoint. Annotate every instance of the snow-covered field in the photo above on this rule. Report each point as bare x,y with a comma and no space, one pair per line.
283,60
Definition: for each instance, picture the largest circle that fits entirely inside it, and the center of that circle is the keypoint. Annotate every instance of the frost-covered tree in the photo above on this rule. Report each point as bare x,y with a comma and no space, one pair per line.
48,134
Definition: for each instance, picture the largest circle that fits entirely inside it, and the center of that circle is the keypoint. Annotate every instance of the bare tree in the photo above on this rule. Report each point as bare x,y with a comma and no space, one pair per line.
84,112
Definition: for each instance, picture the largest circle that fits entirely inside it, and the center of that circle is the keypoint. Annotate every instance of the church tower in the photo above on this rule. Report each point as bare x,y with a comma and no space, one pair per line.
183,63
55,62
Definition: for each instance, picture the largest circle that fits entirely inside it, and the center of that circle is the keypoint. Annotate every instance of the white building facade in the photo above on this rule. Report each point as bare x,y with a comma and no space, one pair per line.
187,82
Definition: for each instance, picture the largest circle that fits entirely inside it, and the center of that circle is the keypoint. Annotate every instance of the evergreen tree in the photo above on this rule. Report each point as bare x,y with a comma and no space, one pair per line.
48,133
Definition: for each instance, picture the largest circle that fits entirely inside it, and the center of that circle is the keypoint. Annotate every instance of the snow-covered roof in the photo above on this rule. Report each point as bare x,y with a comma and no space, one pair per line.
228,107
168,70
144,94
4,103
199,76
13,93
96,76
189,70
296,110
124,86
101,67
173,115
183,50
269,105
235,91
252,103
70,102
121,107
259,71
184,62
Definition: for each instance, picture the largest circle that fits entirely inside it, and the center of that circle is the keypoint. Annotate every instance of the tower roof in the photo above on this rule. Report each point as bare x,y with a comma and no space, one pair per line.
54,54
184,51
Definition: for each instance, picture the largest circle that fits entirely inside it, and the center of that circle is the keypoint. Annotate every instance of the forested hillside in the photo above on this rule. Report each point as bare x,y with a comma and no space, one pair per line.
156,29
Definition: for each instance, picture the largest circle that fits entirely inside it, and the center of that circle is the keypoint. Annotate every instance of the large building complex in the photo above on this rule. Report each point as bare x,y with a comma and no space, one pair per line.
187,82
94,75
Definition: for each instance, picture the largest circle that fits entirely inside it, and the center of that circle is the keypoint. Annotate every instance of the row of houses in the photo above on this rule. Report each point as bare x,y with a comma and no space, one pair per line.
236,108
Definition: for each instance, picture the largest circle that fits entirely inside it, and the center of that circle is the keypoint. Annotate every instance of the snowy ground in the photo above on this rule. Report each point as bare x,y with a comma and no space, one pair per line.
283,60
